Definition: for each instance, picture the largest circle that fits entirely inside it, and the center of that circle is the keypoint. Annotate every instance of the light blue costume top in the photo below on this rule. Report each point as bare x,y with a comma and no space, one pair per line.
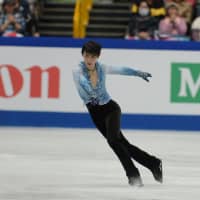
97,95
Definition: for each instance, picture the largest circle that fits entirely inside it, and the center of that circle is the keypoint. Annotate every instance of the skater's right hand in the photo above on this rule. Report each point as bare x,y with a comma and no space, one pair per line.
144,75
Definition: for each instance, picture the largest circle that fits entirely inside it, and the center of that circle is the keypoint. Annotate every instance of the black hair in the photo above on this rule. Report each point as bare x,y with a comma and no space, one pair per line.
92,47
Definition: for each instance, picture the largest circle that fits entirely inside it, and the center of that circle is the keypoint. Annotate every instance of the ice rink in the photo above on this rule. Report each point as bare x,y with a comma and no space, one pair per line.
73,164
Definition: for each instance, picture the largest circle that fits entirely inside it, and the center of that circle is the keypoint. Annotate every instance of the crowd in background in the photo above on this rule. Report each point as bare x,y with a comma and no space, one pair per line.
18,18
150,19
164,20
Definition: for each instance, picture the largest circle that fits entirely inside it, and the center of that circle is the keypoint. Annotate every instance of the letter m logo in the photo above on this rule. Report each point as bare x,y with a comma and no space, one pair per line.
185,82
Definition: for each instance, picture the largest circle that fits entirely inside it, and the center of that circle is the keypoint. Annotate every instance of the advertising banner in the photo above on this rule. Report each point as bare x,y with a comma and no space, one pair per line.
39,79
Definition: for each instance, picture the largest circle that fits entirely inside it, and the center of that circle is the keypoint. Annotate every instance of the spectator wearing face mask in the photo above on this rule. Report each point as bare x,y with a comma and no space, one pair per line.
142,25
157,8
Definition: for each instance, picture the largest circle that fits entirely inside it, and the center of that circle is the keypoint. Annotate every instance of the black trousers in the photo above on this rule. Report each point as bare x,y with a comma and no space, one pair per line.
107,120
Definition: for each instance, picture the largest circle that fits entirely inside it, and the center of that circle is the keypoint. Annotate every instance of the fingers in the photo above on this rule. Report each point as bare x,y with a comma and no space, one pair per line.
146,79
146,76
149,75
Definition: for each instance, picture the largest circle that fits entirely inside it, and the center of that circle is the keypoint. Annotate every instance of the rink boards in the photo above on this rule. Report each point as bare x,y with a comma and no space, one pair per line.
37,88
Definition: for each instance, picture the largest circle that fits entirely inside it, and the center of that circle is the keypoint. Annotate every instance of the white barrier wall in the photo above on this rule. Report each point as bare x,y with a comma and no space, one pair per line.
134,94
40,79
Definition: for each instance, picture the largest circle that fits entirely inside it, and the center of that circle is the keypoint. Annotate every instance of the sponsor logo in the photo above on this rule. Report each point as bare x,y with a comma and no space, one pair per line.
185,82
12,81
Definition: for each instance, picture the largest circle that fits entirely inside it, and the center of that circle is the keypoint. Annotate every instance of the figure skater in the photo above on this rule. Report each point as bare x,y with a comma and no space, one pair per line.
90,79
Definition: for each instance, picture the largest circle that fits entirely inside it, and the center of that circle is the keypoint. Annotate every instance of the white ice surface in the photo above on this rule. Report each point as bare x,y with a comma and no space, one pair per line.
73,164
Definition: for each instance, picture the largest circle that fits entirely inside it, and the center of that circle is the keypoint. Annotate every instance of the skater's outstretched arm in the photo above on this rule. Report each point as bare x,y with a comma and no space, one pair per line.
126,71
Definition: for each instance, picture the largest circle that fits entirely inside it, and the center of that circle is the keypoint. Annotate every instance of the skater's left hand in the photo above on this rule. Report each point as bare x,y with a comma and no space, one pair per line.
144,75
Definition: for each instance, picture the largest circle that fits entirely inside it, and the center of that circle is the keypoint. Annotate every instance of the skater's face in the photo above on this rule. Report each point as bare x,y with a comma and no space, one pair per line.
90,60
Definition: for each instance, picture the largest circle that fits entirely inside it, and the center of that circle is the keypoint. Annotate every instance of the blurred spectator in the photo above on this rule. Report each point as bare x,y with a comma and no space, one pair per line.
142,25
157,8
12,23
195,30
34,10
23,7
172,26
190,2
29,11
185,9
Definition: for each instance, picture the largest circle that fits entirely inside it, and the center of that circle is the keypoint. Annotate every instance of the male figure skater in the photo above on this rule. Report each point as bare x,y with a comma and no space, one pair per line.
105,112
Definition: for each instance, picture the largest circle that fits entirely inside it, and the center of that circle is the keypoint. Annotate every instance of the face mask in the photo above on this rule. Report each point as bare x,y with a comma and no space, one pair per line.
143,11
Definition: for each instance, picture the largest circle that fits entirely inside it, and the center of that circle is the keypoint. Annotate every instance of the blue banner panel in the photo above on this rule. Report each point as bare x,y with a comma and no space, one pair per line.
106,43
82,120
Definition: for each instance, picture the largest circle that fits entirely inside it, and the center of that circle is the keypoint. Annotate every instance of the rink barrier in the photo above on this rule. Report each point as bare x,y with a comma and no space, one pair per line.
82,120
106,43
